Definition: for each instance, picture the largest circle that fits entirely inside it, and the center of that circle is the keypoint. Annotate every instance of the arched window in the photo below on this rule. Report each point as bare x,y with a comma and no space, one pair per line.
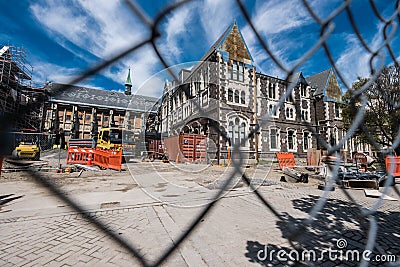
230,95
243,97
242,133
236,96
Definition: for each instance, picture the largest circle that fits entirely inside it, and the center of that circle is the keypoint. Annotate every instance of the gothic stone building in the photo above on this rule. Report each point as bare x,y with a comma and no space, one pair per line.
82,111
224,89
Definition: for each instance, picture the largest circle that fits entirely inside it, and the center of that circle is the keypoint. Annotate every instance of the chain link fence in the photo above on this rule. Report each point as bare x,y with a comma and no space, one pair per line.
295,231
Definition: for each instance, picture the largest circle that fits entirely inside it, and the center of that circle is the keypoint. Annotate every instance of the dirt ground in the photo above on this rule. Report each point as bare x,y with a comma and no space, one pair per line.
211,177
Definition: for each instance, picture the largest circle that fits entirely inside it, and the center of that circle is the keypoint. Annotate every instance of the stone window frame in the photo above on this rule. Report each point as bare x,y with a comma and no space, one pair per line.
309,140
272,90
290,113
236,70
277,138
236,97
306,112
237,127
294,140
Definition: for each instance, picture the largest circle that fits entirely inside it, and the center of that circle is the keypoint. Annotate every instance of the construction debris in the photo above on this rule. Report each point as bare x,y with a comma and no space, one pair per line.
376,194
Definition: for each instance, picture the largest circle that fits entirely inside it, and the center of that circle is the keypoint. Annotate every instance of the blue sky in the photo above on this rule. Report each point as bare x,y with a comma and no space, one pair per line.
65,37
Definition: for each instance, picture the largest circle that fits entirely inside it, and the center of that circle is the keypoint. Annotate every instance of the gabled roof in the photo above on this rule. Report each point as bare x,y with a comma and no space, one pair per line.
319,81
221,45
326,85
85,96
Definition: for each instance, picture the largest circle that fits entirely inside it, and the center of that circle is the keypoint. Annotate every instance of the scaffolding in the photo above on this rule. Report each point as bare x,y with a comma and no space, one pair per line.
17,94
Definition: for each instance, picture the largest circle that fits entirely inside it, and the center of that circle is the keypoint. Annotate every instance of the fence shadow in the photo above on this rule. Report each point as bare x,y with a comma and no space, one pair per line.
339,220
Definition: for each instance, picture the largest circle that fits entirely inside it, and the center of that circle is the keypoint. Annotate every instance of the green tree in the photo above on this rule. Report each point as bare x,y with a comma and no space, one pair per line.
382,114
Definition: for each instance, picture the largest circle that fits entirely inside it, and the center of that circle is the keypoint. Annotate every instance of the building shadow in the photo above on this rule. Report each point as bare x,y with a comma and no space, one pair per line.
336,238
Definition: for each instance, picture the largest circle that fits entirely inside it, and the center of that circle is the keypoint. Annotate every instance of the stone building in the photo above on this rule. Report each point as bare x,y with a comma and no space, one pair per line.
224,89
82,111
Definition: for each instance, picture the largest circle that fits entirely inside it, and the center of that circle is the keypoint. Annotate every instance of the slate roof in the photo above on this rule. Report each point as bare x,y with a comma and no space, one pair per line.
84,96
319,81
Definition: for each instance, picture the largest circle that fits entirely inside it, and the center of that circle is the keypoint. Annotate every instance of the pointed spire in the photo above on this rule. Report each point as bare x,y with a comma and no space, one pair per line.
128,83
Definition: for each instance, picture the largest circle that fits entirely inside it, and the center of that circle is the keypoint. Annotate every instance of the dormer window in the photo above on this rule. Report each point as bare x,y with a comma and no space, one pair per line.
303,90
337,110
272,91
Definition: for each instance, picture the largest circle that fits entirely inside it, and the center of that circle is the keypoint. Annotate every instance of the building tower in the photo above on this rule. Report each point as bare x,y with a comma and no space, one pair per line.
128,84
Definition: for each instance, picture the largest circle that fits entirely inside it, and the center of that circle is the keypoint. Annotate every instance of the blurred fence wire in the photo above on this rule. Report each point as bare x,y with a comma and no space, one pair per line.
389,29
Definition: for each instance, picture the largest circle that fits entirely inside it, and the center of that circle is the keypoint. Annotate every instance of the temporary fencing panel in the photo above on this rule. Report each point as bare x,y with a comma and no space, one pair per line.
390,161
285,159
172,148
186,147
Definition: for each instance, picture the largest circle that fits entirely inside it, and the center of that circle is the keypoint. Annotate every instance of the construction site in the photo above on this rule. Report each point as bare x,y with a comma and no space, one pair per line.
90,176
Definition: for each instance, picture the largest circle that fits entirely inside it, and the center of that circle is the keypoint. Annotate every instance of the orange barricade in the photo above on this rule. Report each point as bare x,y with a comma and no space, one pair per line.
389,162
108,159
285,159
78,155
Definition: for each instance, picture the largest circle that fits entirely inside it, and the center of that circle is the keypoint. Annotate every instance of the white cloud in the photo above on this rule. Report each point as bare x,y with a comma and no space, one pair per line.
215,16
354,61
44,71
176,29
277,16
103,29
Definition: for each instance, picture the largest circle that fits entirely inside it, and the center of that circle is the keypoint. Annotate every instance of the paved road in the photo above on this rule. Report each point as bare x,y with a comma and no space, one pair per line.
40,230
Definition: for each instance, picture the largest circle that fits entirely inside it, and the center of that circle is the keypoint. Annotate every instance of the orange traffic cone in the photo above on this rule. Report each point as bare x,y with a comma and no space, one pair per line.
177,158
89,161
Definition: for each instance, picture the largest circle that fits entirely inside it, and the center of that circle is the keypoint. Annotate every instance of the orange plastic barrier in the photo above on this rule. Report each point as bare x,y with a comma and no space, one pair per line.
108,159
390,161
285,159
78,155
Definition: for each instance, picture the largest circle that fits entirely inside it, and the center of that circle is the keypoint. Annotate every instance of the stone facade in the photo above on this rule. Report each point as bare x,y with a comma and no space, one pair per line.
225,90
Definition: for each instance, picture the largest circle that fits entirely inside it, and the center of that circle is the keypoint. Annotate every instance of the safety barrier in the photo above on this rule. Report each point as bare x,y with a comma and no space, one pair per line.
108,159
389,162
285,159
77,155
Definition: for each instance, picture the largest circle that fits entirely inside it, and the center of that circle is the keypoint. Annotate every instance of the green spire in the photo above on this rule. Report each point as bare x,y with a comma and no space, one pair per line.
128,81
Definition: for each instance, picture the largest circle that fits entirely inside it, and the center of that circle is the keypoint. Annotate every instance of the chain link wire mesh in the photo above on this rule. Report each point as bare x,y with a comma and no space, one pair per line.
295,230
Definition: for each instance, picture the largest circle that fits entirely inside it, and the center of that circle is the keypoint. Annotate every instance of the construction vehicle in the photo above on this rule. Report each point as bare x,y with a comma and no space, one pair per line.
117,139
26,150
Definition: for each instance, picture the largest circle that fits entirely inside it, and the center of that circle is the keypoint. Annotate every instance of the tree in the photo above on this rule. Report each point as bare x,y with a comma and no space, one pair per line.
382,113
